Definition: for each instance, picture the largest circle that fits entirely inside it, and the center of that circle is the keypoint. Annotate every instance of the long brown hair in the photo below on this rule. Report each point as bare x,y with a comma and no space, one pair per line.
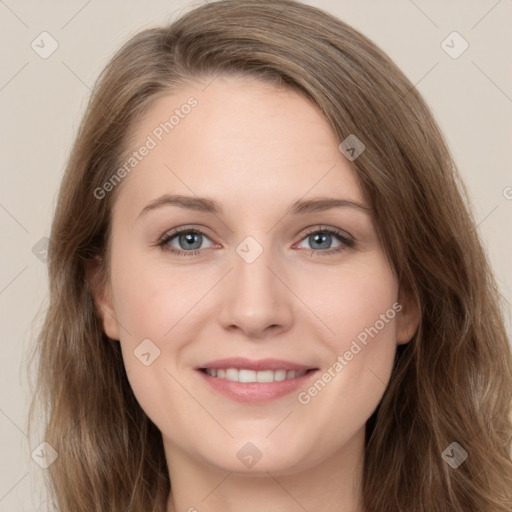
451,383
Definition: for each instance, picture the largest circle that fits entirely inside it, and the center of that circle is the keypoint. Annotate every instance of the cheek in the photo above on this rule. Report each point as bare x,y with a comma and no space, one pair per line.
350,300
360,306
151,299
155,302
151,302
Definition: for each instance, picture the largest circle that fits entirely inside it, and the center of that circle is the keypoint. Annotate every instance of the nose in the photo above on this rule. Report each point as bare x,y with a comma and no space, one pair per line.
256,300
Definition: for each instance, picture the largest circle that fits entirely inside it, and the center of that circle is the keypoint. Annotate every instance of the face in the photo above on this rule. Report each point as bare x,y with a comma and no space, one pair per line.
255,320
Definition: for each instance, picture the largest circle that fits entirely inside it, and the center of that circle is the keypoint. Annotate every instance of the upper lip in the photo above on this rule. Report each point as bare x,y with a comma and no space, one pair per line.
254,364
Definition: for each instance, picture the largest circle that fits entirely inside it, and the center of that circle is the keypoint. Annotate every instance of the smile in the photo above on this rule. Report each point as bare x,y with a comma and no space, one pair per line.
254,381
245,375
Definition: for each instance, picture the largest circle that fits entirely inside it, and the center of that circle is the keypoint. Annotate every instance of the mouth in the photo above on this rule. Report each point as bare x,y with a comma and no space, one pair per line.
252,381
248,376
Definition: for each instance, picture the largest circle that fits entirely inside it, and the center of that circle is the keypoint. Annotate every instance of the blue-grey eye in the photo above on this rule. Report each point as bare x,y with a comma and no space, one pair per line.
187,240
321,240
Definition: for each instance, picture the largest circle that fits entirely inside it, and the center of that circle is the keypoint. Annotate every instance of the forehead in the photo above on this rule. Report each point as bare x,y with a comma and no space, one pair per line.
236,139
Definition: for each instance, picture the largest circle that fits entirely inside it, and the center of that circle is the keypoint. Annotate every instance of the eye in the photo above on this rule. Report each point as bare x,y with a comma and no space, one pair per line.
186,241
183,241
321,239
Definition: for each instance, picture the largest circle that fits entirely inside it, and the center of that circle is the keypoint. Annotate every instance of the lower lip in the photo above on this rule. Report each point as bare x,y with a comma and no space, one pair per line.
256,392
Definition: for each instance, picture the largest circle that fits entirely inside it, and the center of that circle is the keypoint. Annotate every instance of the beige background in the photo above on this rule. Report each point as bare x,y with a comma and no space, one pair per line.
41,102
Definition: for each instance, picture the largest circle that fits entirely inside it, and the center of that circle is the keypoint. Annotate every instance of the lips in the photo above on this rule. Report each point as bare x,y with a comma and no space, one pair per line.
255,381
246,375
252,364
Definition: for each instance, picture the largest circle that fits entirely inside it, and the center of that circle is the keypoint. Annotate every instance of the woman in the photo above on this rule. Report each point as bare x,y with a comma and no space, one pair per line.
201,351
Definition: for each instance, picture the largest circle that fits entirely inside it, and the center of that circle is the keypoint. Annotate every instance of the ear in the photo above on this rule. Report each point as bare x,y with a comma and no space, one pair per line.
408,318
102,297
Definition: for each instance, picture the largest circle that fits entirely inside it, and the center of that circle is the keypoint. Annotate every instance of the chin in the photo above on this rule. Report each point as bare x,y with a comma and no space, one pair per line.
257,455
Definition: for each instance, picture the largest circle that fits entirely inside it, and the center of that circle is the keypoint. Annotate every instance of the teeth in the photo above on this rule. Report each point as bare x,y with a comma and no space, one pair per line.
261,376
231,374
280,375
243,375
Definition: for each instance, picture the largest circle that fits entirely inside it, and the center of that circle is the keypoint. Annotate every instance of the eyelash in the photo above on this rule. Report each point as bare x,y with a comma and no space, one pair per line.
346,242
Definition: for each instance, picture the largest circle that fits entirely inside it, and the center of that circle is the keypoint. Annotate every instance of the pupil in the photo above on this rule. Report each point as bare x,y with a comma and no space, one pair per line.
190,239
322,240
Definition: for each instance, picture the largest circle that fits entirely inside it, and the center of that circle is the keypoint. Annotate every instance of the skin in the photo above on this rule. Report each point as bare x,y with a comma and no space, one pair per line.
255,149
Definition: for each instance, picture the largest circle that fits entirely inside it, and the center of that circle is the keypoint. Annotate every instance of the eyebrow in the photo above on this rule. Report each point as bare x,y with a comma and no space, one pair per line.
206,205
